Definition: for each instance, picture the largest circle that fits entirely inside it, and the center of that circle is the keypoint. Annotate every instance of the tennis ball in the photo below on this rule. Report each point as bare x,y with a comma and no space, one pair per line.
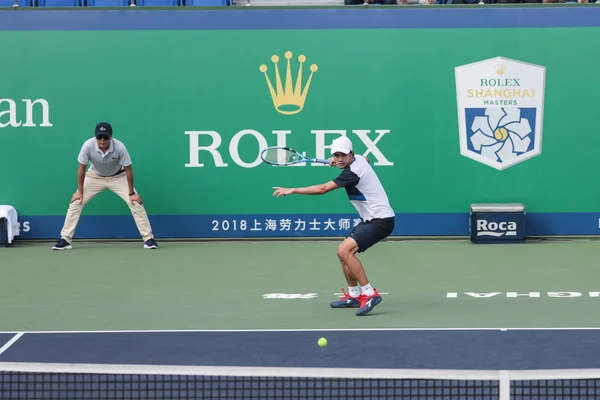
322,342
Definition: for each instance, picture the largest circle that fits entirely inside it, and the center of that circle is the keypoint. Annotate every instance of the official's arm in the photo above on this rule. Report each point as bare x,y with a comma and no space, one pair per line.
80,177
129,173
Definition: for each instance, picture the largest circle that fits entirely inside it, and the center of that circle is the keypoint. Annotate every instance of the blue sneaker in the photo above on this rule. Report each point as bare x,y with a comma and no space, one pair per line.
62,244
368,303
150,244
346,301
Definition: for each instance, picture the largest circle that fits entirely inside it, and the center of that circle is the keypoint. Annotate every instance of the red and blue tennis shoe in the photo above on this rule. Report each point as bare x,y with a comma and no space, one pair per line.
368,303
347,301
364,303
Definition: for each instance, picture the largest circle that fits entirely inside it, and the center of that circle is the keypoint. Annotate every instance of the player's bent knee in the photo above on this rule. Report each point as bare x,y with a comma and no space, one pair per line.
341,253
347,249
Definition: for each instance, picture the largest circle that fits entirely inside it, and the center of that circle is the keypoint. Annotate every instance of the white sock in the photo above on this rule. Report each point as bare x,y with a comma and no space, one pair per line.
354,292
368,290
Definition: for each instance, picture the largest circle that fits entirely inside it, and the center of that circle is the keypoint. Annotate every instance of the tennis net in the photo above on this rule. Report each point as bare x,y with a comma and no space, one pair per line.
115,382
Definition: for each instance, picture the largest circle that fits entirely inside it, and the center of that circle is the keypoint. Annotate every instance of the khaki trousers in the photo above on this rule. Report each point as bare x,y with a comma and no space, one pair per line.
94,184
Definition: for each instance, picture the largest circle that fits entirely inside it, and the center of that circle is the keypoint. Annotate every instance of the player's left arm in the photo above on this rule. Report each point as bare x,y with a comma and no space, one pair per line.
308,190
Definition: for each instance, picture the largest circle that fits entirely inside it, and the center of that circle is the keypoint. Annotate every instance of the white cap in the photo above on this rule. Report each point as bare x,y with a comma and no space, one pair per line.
341,145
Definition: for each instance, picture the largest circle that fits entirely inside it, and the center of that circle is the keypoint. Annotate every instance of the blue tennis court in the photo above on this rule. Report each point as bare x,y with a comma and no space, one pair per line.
463,349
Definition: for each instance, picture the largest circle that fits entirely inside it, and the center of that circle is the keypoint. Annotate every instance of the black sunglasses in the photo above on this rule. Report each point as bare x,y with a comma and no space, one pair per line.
100,137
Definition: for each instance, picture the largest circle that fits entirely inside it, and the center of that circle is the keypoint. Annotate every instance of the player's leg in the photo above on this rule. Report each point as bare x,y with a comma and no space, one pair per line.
369,297
354,270
350,299
118,184
352,282
364,236
92,185
350,278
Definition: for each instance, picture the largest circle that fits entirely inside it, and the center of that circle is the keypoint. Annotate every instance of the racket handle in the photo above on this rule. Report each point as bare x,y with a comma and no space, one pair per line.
322,161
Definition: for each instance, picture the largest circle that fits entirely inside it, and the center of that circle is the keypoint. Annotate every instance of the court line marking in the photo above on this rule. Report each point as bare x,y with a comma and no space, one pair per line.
11,342
300,330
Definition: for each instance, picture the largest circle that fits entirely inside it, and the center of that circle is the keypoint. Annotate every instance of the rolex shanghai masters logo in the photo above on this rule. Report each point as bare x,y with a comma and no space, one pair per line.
500,111
288,96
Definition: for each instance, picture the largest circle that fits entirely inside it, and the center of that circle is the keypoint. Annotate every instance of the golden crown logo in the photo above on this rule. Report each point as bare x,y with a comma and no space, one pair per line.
290,99
500,69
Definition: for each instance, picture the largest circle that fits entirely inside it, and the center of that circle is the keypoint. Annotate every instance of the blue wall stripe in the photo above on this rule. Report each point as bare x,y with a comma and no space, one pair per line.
350,18
315,225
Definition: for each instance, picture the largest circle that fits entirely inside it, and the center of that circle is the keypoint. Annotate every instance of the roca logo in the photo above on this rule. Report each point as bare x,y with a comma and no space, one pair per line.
504,228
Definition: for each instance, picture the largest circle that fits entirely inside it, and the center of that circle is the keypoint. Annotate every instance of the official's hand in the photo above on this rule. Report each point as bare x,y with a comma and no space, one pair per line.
77,196
282,191
135,198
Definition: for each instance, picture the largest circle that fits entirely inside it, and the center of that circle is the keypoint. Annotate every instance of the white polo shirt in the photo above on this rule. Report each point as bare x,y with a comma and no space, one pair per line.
365,190
104,164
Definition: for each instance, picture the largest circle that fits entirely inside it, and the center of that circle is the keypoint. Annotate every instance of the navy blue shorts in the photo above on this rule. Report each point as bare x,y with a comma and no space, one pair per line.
366,234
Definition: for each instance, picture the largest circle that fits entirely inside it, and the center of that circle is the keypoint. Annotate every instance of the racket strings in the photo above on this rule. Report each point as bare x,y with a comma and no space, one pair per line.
280,156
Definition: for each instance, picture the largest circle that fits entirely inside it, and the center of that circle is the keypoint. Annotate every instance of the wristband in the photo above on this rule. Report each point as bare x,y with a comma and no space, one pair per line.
131,194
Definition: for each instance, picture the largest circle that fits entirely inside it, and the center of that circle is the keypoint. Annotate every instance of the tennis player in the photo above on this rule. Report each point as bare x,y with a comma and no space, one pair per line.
369,198
110,169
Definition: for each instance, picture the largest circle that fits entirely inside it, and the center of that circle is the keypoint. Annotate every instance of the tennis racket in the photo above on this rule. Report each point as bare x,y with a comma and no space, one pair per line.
285,156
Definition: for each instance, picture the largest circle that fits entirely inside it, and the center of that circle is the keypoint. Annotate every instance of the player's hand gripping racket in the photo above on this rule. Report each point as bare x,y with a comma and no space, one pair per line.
286,156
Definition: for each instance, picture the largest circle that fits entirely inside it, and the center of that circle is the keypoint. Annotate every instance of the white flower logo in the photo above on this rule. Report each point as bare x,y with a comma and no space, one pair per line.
502,135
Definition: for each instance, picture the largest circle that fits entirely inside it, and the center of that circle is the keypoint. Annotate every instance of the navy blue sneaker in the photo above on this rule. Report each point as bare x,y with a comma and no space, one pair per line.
346,301
368,303
150,244
62,244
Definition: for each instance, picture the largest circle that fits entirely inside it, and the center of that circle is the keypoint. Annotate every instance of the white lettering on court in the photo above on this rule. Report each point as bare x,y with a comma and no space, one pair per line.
482,295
